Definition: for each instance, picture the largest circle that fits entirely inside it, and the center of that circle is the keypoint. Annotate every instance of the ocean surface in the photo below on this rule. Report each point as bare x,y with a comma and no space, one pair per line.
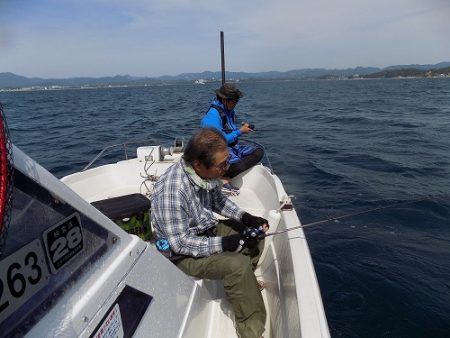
340,147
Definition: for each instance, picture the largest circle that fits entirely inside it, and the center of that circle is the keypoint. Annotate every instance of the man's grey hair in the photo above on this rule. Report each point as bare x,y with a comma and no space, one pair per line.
203,146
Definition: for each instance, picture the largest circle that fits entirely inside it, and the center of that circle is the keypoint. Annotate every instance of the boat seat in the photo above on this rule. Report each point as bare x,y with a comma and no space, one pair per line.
131,212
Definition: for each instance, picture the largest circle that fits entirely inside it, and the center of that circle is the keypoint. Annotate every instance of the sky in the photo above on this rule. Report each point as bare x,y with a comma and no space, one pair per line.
74,38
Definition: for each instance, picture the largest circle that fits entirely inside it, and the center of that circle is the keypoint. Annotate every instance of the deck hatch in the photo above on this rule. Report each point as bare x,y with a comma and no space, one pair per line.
124,315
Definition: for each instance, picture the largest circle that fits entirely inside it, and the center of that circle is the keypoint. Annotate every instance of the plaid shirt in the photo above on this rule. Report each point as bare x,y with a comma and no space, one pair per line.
182,211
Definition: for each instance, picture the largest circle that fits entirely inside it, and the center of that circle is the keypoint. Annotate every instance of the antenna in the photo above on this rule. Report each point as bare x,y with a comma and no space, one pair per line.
222,54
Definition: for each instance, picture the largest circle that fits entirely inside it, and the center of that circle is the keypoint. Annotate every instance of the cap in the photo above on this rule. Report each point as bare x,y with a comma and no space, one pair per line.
229,92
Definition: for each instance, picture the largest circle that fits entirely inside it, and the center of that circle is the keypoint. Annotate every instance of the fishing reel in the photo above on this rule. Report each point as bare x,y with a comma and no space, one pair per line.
250,233
250,125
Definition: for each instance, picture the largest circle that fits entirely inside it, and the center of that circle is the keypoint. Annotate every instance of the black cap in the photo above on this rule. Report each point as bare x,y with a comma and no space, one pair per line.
229,92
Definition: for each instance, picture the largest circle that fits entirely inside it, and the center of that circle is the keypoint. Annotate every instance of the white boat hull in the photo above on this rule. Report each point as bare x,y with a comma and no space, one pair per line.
292,294
178,305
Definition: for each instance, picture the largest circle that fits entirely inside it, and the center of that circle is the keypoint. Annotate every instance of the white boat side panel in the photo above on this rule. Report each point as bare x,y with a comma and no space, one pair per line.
282,195
287,291
252,203
261,183
112,180
274,295
296,305
312,314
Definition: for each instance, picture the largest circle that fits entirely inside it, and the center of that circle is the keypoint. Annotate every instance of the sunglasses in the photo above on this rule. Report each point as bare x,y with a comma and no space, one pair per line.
222,166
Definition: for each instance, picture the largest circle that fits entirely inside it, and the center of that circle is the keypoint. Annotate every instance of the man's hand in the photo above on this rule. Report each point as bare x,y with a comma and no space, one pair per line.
255,222
245,128
232,242
237,242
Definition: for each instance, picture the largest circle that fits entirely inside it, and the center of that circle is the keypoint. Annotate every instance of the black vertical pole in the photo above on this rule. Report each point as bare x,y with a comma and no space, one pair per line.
222,54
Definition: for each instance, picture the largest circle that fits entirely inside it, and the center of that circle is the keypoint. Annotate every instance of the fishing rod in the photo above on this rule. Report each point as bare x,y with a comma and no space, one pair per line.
348,215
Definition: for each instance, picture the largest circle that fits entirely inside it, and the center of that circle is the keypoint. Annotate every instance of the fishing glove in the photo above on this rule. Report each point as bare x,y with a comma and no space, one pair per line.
253,221
232,242
237,226
237,242
249,238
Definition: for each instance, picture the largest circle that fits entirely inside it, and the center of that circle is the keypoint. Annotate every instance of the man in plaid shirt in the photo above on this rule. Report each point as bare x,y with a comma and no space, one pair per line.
183,202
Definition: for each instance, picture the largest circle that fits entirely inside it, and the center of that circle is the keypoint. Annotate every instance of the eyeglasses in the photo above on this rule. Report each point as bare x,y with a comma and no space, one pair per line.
222,166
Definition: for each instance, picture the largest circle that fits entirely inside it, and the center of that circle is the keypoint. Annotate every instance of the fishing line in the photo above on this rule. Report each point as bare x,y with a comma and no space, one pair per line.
348,215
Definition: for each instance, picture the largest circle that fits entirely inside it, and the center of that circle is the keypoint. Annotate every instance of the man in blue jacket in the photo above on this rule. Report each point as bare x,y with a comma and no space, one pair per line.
222,116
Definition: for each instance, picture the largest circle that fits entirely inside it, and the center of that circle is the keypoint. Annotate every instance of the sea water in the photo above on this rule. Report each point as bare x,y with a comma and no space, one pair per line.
340,147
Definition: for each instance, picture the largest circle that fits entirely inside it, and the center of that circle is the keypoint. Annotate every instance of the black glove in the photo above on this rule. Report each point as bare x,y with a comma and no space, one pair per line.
231,243
248,238
237,226
253,221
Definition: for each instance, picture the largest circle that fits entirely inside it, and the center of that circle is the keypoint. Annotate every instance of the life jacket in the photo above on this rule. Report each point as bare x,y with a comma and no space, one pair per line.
225,126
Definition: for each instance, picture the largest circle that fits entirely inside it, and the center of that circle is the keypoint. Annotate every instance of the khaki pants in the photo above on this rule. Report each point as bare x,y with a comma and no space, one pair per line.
236,272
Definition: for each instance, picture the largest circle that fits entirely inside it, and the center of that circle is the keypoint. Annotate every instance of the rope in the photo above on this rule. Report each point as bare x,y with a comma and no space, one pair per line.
152,178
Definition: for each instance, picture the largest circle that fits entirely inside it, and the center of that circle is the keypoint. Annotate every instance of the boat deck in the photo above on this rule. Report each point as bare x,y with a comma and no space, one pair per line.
291,294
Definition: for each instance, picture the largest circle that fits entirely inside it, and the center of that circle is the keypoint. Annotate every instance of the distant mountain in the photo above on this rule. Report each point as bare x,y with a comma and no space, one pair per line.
12,81
291,74
409,72
421,67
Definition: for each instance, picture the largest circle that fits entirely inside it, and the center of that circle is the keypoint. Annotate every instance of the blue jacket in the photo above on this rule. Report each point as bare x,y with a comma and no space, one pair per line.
229,130
212,119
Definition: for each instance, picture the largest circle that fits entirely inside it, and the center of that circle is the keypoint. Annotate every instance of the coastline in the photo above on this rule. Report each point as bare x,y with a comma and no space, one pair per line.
170,83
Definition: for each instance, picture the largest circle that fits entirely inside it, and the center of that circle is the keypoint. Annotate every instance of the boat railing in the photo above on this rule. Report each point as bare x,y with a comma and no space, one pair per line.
124,145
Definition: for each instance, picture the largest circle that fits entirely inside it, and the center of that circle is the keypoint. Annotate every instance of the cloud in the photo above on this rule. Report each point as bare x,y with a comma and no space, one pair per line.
137,37
347,33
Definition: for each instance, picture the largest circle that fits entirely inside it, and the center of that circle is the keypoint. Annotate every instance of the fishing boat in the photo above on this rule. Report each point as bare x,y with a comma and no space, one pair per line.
78,258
